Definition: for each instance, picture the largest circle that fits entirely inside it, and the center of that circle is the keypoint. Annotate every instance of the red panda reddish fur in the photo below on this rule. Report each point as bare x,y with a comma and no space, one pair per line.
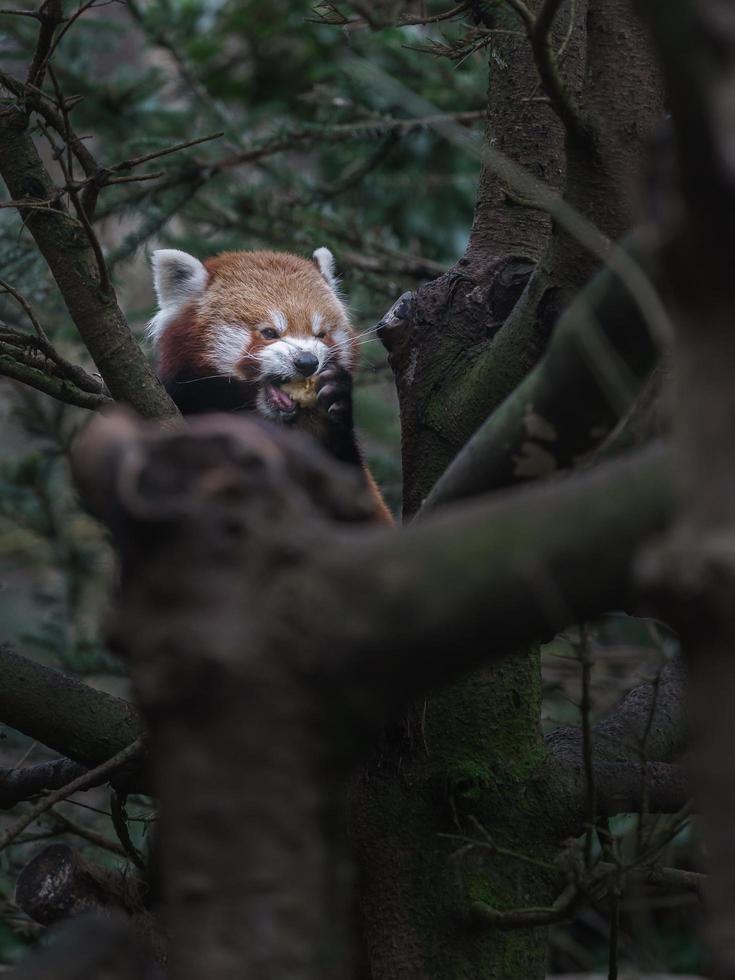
232,329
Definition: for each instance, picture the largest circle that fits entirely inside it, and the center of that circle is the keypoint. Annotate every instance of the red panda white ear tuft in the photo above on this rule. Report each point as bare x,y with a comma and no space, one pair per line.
324,261
177,278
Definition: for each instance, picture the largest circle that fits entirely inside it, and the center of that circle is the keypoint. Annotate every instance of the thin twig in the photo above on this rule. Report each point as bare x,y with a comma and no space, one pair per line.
136,161
71,372
120,823
104,275
69,826
344,133
612,956
583,652
23,302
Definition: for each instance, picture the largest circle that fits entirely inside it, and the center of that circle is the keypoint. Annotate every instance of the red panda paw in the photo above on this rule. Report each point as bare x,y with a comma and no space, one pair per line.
334,394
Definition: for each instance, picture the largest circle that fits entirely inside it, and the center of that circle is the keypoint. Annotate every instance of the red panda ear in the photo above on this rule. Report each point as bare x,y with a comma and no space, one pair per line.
177,278
324,261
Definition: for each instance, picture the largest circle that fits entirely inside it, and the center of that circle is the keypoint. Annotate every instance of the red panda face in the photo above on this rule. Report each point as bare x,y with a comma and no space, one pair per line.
259,318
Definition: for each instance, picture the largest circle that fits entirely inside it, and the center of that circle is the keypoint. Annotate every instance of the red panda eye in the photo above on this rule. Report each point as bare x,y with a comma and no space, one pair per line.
269,333
322,334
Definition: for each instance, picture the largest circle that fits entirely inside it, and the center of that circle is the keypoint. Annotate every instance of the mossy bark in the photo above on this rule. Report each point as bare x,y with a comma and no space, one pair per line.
469,760
462,766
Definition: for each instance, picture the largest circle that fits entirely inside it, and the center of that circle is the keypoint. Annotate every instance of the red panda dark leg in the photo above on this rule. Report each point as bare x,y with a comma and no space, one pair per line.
334,395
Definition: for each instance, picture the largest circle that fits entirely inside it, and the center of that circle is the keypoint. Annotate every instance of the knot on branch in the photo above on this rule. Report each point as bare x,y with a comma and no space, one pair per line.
388,328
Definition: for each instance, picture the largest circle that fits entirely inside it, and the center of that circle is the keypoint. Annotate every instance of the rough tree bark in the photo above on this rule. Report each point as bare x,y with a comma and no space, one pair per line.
458,347
259,705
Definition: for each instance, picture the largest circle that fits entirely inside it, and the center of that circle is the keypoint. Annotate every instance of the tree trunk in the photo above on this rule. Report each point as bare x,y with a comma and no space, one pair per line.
470,760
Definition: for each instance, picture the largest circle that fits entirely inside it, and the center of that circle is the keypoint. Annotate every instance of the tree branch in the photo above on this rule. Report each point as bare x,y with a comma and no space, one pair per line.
508,568
539,33
86,780
95,312
29,369
631,749
17,785
599,356
86,725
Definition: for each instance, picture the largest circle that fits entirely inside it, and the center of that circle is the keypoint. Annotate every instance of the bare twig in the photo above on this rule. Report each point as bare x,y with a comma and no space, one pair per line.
68,171
72,372
120,823
23,302
68,826
155,154
583,652
344,133
49,16
30,371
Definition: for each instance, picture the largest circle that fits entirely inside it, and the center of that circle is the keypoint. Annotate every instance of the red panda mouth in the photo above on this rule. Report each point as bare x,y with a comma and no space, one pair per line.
279,400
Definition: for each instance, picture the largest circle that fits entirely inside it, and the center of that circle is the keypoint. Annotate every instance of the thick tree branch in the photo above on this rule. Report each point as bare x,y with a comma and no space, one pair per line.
601,352
514,568
202,513
86,725
508,568
631,750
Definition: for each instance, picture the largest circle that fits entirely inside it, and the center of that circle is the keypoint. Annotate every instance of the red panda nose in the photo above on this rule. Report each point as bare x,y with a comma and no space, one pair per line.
306,364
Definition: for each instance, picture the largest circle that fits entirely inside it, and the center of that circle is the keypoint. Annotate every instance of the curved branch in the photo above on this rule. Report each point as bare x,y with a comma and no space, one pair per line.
29,370
539,33
513,568
631,749
600,355
86,725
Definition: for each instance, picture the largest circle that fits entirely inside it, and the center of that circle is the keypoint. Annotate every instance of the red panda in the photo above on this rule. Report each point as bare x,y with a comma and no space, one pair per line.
264,332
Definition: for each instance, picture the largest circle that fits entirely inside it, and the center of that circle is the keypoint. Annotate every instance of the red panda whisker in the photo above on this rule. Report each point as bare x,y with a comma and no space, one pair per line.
208,377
